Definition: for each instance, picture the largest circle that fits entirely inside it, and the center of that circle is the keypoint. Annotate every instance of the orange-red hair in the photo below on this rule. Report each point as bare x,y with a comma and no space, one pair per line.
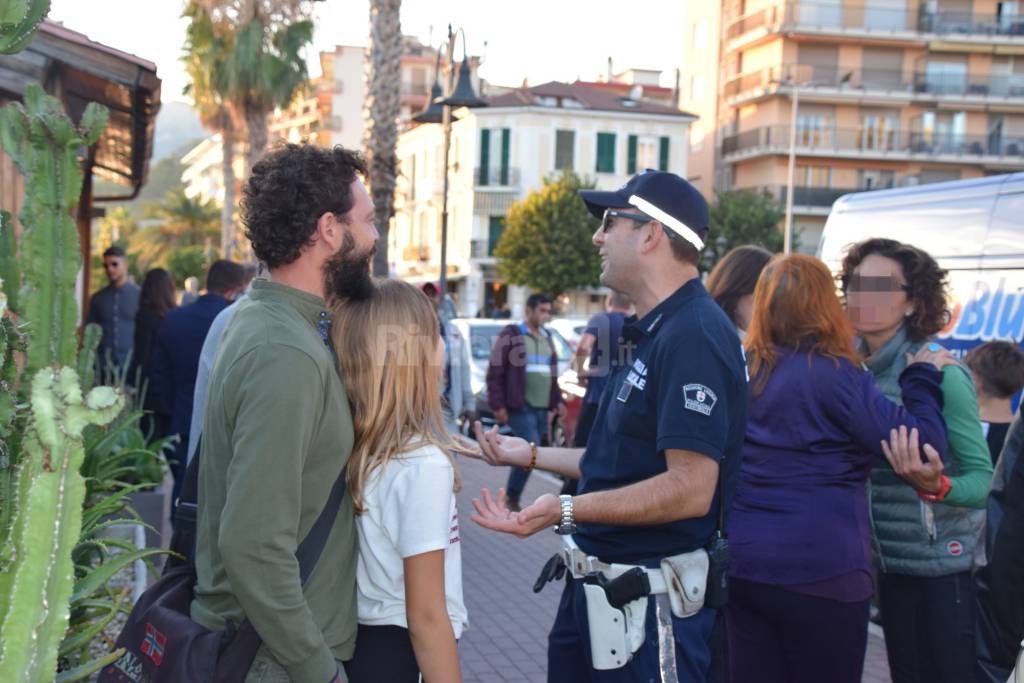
795,304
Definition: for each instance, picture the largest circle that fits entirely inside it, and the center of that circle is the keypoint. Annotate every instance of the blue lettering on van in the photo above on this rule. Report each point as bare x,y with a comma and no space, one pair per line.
991,314
972,320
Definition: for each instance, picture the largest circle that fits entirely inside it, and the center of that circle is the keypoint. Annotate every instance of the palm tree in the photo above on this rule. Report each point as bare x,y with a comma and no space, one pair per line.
381,111
205,57
184,223
245,59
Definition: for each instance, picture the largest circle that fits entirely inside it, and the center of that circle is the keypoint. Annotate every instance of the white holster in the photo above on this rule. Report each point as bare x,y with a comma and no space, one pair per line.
616,634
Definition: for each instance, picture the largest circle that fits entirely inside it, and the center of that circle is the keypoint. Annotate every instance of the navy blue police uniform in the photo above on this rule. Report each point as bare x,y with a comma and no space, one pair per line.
682,385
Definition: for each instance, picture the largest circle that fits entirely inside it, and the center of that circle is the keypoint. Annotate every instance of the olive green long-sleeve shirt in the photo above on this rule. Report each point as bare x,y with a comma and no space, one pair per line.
277,432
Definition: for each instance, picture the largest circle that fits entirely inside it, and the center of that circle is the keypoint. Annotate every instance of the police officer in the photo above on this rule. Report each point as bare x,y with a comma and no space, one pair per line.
670,425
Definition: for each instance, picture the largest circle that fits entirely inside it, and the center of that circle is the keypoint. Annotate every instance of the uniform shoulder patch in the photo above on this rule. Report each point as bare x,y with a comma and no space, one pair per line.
699,398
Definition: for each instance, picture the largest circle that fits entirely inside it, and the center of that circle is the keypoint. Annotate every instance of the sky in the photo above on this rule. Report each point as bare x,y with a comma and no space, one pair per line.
538,40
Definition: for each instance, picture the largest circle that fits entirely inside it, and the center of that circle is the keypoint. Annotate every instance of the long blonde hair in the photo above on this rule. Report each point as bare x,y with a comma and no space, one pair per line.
387,349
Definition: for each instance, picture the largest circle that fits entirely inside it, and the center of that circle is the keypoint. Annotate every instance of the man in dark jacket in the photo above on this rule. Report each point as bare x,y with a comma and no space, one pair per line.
1000,583
179,342
113,308
522,383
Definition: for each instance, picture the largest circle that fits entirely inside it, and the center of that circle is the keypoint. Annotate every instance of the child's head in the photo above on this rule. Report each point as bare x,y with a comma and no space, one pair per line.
998,369
391,356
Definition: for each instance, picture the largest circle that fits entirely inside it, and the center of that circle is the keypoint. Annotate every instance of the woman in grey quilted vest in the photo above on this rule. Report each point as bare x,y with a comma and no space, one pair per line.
926,535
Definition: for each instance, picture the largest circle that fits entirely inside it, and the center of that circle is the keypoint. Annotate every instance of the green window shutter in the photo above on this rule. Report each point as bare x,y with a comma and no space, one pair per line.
485,155
631,155
606,152
504,155
495,226
663,154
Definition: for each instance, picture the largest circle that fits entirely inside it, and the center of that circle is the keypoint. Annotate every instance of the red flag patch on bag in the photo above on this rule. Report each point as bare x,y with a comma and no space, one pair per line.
153,645
955,548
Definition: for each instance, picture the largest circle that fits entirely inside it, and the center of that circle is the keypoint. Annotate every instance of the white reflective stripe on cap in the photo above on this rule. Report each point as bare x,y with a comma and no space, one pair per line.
673,224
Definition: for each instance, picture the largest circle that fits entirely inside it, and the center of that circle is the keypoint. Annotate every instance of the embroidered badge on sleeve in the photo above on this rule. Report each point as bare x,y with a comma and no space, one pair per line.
699,398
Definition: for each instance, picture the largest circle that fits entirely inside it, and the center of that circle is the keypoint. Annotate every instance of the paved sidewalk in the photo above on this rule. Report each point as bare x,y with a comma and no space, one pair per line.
507,638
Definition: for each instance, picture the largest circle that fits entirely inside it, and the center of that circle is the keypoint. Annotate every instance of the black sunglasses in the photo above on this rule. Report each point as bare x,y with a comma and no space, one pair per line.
611,214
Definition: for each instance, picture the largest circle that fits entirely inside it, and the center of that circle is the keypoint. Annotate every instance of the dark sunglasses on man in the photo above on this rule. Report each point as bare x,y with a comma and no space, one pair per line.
611,214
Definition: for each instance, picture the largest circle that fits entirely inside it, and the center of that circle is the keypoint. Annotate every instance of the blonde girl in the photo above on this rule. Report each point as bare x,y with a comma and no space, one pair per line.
403,479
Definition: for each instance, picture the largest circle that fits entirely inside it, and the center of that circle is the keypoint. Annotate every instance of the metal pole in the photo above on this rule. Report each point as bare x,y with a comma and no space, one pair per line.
447,123
787,238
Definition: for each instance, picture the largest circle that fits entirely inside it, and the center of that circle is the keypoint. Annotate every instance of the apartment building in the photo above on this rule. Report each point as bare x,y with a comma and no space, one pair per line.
502,152
872,94
330,111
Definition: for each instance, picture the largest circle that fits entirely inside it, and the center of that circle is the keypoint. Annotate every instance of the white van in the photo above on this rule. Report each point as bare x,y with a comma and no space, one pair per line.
973,228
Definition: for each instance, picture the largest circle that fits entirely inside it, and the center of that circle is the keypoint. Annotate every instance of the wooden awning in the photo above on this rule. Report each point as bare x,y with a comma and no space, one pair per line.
77,71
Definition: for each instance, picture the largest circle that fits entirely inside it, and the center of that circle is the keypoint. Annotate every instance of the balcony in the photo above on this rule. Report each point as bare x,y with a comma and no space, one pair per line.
876,143
496,177
812,199
849,18
841,82
416,253
480,249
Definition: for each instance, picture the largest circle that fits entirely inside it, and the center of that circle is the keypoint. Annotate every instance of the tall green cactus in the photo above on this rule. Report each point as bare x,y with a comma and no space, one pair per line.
19,20
10,271
35,590
44,144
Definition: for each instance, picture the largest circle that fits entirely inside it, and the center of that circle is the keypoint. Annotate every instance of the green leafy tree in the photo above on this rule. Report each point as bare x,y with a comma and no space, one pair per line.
743,217
186,262
184,223
546,244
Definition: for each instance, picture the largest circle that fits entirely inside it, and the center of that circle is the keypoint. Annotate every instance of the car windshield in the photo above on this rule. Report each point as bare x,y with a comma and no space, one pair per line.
481,339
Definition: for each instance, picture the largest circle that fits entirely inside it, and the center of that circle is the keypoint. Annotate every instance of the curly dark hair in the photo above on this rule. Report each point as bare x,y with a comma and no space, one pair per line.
926,282
288,190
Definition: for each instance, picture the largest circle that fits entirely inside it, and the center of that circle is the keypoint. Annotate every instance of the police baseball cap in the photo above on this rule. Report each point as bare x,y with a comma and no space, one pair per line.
665,197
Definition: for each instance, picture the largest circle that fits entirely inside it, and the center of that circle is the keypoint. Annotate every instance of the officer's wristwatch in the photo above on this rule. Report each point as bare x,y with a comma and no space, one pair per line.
567,524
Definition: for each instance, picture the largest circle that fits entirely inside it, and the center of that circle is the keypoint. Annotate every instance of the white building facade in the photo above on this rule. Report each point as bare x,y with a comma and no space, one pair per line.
500,154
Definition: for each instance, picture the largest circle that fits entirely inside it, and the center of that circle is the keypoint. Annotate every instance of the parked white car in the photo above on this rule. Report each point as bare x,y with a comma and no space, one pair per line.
570,328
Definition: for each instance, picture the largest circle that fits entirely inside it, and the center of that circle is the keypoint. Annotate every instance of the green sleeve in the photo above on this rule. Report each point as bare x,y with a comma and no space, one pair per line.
966,440
274,397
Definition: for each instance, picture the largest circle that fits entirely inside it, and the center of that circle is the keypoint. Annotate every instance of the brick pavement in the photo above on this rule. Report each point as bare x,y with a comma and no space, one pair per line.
507,638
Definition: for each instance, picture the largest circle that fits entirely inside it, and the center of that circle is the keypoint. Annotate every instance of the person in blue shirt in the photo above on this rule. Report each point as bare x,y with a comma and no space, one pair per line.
179,342
641,534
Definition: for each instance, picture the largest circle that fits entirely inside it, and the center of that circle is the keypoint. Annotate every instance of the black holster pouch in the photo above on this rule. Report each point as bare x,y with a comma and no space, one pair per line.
553,569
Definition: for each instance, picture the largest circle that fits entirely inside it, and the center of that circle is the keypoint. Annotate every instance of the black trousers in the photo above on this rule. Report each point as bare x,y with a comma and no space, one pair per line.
383,653
929,627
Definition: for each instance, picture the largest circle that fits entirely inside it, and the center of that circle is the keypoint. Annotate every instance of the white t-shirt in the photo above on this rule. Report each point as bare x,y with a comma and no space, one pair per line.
410,510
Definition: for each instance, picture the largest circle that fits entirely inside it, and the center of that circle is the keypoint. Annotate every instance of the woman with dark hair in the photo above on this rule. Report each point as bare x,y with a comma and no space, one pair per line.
800,573
925,540
731,283
156,299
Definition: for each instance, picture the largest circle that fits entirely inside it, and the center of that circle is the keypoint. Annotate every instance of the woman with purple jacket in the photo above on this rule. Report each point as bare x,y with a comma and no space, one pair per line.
800,576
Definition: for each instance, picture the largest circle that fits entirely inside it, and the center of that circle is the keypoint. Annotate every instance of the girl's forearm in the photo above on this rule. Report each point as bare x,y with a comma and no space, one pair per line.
433,641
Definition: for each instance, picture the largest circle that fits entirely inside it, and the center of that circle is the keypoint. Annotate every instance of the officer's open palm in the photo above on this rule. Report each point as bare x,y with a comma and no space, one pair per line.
545,512
498,449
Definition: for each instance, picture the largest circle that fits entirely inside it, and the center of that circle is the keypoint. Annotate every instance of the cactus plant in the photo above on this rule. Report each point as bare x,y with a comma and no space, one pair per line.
10,272
44,144
19,20
36,588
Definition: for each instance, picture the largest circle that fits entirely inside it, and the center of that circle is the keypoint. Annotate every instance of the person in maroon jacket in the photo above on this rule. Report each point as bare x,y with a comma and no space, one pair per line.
522,383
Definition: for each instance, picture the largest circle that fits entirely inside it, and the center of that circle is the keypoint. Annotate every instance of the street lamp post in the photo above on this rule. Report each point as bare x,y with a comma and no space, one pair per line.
787,235
439,110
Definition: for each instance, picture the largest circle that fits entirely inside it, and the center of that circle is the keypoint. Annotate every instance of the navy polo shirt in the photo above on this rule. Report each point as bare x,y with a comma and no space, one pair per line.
683,386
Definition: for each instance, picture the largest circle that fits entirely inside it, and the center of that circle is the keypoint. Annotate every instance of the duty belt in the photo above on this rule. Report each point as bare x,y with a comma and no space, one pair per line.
622,584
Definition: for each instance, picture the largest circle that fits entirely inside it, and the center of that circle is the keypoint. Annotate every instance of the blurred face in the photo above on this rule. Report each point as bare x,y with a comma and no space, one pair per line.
876,297
744,311
116,268
616,242
538,316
